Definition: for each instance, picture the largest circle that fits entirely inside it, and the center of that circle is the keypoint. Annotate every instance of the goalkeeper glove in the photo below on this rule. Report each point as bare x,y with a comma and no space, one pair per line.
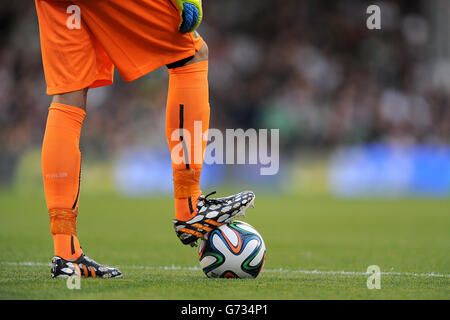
190,13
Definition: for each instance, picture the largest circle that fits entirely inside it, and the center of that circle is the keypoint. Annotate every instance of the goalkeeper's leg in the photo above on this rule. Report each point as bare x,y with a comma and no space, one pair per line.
188,106
61,168
61,165
187,102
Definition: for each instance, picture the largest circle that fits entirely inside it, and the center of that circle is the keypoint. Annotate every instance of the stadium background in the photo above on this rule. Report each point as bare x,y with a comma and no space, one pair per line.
316,73
364,177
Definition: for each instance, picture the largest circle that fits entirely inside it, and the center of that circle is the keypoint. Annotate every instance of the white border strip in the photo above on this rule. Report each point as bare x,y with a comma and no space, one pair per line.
316,272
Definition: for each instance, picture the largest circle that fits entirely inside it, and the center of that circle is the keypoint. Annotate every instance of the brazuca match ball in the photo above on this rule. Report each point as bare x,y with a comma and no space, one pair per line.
234,250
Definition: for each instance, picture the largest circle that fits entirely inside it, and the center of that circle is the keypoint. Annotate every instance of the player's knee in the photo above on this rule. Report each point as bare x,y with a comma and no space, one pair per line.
202,54
199,56
76,98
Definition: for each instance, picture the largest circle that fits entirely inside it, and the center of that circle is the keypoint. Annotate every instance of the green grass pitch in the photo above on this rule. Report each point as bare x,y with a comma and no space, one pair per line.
310,241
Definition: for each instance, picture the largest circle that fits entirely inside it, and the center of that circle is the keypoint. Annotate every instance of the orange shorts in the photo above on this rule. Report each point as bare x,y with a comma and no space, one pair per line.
83,40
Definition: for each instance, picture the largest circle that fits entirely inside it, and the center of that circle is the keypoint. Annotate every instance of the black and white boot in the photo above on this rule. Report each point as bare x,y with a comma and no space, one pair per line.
212,213
82,267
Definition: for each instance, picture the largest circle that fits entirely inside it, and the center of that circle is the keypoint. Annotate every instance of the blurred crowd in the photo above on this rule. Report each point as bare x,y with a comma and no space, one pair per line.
310,68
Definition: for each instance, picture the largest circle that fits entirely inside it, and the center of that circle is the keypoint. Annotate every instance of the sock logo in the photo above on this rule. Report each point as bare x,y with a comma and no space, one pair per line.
56,175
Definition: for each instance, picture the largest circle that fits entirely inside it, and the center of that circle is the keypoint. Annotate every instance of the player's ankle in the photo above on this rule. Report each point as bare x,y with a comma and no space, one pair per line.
185,208
67,246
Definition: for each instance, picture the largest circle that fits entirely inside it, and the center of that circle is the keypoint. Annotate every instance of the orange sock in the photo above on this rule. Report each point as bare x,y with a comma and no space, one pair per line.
67,246
187,119
61,165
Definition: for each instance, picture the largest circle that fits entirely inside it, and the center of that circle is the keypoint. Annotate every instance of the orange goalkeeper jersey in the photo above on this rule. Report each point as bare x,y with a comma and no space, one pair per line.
83,40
